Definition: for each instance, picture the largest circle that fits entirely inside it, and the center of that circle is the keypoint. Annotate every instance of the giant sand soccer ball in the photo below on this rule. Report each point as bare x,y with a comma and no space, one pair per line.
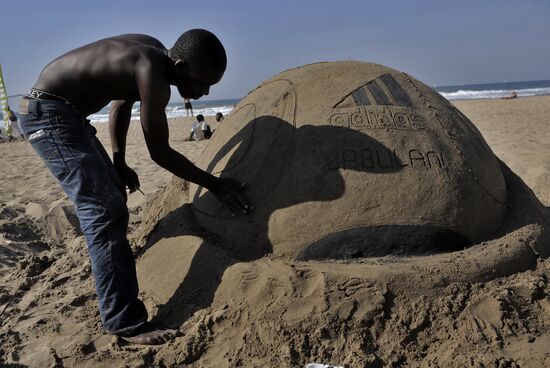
351,159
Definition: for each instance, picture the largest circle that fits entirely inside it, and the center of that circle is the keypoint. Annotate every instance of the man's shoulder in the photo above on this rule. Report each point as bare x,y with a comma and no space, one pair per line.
152,64
143,48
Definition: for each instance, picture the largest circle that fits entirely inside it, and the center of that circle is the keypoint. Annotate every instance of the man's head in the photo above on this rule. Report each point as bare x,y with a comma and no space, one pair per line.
200,117
200,62
219,116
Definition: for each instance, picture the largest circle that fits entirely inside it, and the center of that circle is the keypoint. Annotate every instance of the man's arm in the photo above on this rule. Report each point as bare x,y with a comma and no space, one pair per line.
207,131
155,94
119,122
155,130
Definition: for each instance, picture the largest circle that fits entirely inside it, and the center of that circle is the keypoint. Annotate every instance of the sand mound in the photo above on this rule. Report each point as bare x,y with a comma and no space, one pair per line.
59,219
274,310
350,159
314,203
234,309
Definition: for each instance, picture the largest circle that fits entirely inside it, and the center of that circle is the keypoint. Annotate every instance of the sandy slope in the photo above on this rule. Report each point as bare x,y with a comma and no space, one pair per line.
268,312
518,131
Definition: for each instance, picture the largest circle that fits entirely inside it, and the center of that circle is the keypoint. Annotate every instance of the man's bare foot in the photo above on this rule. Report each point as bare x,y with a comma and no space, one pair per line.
148,334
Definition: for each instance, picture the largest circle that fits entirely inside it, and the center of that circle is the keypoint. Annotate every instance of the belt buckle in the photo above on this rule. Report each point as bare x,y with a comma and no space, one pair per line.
24,106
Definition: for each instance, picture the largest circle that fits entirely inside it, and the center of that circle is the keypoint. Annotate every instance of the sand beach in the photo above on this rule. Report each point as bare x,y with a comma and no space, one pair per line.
267,312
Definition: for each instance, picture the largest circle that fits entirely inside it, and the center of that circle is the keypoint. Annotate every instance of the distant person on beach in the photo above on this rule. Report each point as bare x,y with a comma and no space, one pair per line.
219,117
513,95
122,70
188,106
200,129
15,123
7,134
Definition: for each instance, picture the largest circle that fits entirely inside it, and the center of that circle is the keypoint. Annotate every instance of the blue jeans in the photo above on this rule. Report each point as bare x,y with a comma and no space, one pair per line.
67,144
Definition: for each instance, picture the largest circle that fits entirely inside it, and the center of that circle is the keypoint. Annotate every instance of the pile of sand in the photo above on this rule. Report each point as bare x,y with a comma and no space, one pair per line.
485,305
235,307
351,159
355,312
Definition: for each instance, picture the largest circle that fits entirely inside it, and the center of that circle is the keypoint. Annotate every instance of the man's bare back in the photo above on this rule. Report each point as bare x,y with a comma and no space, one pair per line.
93,75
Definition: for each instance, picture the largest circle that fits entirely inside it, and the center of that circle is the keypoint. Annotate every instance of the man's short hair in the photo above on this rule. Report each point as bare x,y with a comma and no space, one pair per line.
201,50
200,117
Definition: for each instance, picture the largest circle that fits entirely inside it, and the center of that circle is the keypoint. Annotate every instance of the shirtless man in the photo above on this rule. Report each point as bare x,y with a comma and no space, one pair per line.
122,69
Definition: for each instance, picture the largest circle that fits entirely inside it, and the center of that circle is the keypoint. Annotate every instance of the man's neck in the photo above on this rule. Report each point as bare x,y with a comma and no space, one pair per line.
171,67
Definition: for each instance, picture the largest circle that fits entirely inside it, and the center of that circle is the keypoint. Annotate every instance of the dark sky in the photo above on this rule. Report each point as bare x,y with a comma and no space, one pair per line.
437,41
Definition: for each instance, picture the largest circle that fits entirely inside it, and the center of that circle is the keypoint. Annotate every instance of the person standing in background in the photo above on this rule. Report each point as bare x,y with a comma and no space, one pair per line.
15,124
188,106
7,133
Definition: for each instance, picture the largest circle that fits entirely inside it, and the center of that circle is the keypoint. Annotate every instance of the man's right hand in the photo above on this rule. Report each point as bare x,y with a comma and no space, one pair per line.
230,192
128,176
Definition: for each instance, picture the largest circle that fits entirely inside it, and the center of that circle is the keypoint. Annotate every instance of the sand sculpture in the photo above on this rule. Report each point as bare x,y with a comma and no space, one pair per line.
348,177
351,159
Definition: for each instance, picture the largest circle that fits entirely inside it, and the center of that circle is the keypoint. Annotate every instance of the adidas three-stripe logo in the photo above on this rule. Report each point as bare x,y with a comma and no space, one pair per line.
384,90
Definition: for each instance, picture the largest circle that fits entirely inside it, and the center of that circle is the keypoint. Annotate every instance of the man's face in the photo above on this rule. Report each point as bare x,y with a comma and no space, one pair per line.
195,85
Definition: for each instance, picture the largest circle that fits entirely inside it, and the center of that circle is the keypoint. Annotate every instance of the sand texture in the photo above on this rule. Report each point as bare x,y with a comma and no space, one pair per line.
484,306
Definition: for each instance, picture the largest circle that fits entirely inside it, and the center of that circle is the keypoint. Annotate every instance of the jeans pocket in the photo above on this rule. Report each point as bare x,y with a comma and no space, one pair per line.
49,150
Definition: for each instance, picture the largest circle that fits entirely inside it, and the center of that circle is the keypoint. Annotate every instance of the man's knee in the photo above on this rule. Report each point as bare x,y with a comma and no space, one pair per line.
101,211
116,208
